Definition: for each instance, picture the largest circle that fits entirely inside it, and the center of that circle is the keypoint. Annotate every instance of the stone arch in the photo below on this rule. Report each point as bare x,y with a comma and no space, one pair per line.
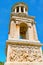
23,30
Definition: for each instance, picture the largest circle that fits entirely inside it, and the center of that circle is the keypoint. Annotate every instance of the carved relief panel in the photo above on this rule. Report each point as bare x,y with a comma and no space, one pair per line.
21,53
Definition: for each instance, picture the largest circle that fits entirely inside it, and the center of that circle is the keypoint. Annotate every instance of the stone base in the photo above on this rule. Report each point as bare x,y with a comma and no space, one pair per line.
23,63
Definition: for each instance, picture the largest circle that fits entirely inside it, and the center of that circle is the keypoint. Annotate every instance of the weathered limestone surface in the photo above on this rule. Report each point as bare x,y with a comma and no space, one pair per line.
23,49
24,63
20,53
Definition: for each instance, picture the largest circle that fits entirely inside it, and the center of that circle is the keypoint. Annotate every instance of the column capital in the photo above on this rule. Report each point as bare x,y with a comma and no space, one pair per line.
17,22
33,23
13,19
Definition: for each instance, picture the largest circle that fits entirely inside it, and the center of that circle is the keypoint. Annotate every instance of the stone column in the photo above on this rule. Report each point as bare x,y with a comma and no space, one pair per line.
12,29
27,34
15,10
30,32
35,33
24,9
19,9
17,30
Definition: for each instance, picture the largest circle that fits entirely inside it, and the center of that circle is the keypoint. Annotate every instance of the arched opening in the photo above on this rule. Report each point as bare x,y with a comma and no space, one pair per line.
23,31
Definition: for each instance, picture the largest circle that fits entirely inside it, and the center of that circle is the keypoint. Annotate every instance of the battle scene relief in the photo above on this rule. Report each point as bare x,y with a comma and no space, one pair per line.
22,53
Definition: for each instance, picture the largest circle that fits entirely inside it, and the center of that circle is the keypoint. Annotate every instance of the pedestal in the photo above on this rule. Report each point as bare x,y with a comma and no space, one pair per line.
24,63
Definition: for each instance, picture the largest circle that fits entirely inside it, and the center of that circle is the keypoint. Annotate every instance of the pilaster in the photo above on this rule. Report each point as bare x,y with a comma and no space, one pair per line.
17,30
30,31
35,32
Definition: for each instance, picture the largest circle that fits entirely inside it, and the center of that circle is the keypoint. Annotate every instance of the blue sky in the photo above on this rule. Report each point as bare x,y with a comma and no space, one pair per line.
35,8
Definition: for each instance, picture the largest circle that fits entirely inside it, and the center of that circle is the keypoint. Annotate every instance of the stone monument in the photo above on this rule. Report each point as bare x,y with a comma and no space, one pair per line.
22,46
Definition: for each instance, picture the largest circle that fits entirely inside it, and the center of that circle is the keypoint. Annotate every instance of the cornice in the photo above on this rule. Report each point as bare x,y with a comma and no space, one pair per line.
24,42
22,15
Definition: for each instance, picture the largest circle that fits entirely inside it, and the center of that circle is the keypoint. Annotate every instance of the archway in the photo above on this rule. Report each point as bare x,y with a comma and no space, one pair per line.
23,30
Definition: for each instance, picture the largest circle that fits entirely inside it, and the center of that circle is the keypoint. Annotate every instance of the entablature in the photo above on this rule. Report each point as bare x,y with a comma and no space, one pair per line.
23,19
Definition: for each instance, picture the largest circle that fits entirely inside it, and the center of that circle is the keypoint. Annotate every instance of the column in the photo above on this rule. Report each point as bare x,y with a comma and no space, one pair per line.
17,30
12,29
19,9
24,9
15,10
27,34
35,32
30,32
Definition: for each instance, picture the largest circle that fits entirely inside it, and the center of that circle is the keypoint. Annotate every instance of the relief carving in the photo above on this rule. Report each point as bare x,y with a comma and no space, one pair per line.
25,53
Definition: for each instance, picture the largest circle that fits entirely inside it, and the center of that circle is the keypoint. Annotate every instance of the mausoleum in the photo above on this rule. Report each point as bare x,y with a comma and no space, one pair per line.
22,46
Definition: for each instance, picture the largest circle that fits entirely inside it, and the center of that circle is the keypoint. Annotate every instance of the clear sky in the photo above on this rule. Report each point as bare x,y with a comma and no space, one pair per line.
35,8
